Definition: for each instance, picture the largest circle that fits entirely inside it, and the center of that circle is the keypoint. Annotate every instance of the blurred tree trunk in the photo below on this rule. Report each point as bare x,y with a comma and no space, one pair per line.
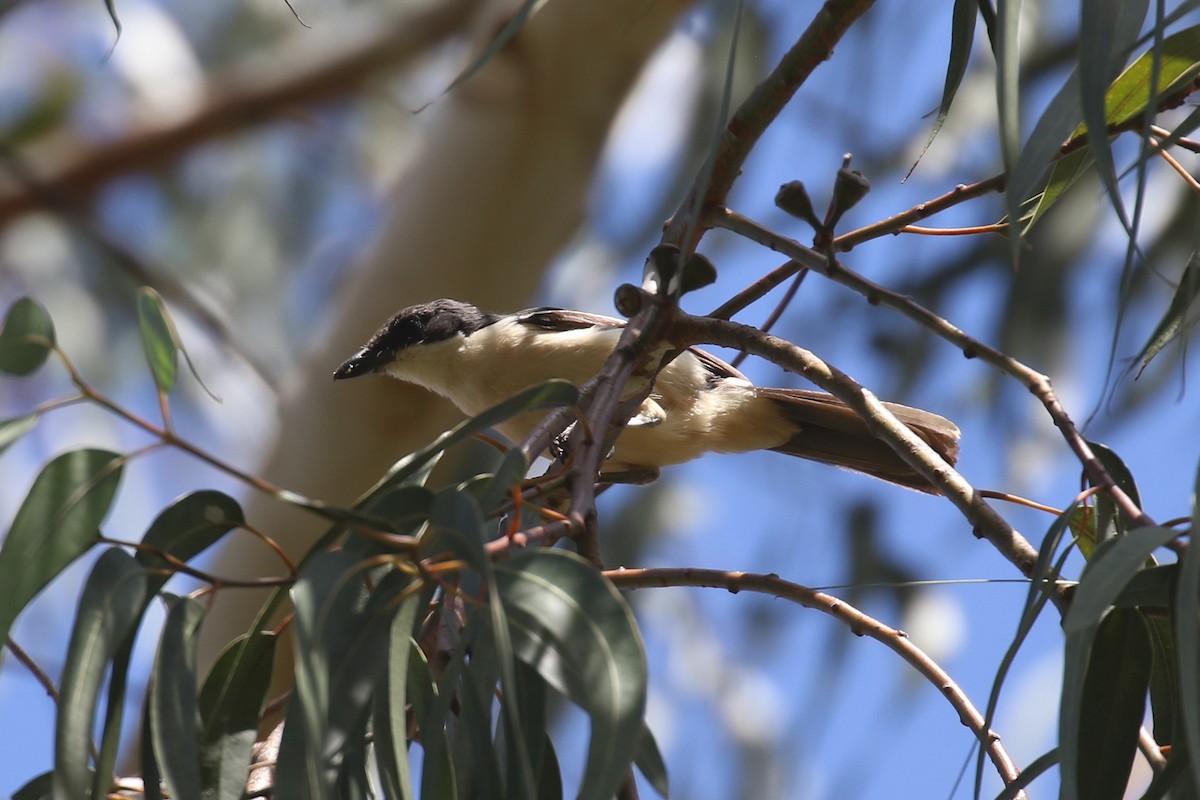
498,186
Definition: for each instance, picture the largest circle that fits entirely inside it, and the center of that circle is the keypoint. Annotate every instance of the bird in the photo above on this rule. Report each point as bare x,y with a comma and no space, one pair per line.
698,404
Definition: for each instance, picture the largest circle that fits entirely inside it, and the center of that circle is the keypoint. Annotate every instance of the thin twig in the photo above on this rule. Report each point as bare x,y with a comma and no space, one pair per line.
859,624
755,114
687,330
1037,383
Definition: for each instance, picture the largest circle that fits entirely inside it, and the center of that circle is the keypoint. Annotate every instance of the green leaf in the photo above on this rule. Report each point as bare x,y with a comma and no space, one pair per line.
650,763
230,702
1152,587
1107,30
1110,520
455,526
188,527
1187,639
162,343
159,339
1125,100
515,22
26,338
962,36
575,629
429,711
109,608
1007,49
39,788
551,394
511,471
1108,573
58,521
1175,318
1113,703
13,429
173,714
391,704
325,597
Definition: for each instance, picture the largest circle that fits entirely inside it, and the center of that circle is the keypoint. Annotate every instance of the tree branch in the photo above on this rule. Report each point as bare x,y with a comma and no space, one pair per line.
859,624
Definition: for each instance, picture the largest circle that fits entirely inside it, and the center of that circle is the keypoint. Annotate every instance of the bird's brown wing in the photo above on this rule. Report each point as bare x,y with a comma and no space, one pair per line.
830,432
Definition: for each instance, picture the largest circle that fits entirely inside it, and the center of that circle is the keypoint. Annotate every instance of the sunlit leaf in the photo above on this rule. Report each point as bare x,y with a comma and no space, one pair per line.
1125,100
26,338
574,628
109,608
13,429
58,521
173,714
1110,572
159,339
162,343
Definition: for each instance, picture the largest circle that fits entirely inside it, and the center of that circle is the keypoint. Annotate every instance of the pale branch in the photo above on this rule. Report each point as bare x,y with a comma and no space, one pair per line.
985,521
859,624
876,294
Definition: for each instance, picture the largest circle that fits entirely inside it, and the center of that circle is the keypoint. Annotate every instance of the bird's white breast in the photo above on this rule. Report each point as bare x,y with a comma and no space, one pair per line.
494,363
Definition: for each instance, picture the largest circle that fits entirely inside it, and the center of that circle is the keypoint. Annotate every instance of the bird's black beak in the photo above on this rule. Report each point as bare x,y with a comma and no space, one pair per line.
363,362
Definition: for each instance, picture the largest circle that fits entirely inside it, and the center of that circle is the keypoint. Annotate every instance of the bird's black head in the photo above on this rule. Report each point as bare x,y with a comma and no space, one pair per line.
424,323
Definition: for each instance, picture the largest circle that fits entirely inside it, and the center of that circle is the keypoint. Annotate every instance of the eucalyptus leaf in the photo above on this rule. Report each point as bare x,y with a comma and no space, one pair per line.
229,704
109,608
13,429
58,521
1113,701
26,339
575,629
173,713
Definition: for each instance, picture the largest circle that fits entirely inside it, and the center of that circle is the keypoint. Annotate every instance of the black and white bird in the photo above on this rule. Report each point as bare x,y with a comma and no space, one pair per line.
699,403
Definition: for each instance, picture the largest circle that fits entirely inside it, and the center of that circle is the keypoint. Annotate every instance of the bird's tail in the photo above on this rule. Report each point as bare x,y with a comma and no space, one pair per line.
830,432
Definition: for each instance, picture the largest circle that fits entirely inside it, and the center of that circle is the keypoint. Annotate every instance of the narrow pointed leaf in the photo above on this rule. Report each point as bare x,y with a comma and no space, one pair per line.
575,629
229,704
13,429
1113,703
173,714
650,763
1110,572
1125,100
551,394
503,36
58,521
159,339
1187,639
26,338
109,608
391,710
1176,315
